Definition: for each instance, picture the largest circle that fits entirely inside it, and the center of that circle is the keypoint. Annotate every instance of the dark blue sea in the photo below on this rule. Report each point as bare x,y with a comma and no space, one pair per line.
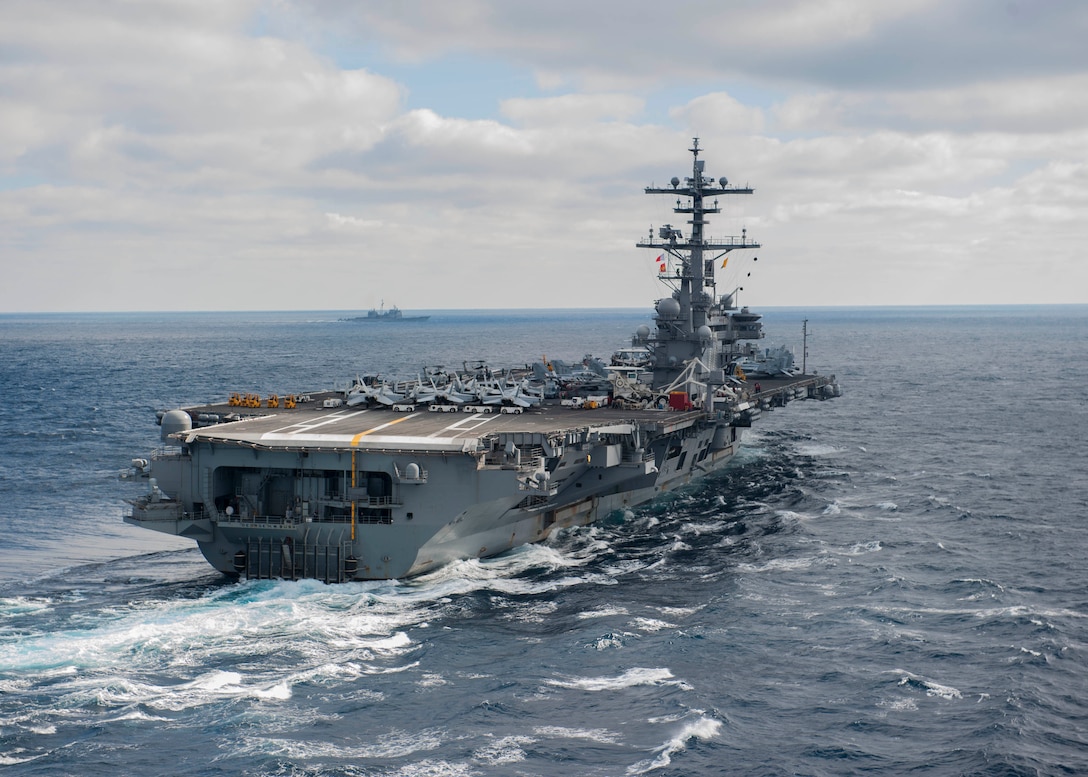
891,582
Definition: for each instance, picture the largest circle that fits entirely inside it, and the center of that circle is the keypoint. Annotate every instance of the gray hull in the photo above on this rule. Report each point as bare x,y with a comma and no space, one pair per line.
292,511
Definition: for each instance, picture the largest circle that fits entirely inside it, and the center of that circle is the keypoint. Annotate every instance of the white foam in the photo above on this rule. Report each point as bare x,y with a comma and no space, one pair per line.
681,611
699,529
501,574
388,644
431,680
609,641
16,757
323,674
607,611
392,744
11,606
931,688
390,669
629,679
507,750
652,624
703,728
790,515
279,691
217,681
817,449
594,734
779,565
198,632
899,705
430,768
134,715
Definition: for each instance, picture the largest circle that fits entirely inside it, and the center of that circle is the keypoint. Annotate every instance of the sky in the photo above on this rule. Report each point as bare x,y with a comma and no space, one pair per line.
460,154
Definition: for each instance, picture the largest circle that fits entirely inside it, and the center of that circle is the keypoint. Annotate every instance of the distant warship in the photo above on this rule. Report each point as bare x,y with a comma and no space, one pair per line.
381,314
391,479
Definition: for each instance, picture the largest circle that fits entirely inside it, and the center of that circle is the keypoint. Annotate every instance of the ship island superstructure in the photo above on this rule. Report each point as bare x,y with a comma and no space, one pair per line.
389,480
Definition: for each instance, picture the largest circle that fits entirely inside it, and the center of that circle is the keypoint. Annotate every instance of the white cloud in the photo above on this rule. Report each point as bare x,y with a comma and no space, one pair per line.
110,92
718,113
151,146
1028,105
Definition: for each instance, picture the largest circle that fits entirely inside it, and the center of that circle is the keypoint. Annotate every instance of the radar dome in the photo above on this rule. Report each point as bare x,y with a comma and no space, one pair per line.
173,422
668,308
705,335
643,332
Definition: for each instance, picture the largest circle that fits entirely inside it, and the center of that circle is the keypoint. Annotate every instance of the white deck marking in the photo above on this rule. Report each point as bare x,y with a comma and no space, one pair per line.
463,424
332,418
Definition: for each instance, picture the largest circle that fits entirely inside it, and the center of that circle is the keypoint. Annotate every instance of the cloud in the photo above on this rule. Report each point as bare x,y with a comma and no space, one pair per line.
718,113
841,44
181,95
1029,105
151,147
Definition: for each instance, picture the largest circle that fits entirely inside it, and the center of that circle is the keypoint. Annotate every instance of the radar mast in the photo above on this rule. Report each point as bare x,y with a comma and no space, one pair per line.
688,321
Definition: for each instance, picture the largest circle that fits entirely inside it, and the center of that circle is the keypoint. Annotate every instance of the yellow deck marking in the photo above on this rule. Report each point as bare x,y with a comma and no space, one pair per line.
356,438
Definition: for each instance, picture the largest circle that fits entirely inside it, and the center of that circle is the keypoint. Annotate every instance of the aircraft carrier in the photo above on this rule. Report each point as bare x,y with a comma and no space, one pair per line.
389,480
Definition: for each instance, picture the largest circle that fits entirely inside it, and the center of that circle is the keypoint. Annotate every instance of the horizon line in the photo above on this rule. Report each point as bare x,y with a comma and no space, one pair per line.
901,306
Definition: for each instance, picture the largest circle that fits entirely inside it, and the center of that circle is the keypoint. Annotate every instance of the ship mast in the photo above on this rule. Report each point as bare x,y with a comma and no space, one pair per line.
682,331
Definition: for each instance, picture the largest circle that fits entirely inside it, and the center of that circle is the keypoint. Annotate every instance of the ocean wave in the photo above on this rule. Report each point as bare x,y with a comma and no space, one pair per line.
651,624
681,612
507,573
391,744
703,728
791,515
503,751
19,756
631,678
779,565
611,640
12,606
431,680
184,632
605,611
931,688
817,449
431,768
862,548
603,736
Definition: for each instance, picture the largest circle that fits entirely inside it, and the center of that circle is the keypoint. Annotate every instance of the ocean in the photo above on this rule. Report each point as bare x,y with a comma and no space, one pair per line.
889,582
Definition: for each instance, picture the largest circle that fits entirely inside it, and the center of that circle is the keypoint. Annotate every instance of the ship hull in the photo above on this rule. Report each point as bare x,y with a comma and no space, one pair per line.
363,506
482,530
